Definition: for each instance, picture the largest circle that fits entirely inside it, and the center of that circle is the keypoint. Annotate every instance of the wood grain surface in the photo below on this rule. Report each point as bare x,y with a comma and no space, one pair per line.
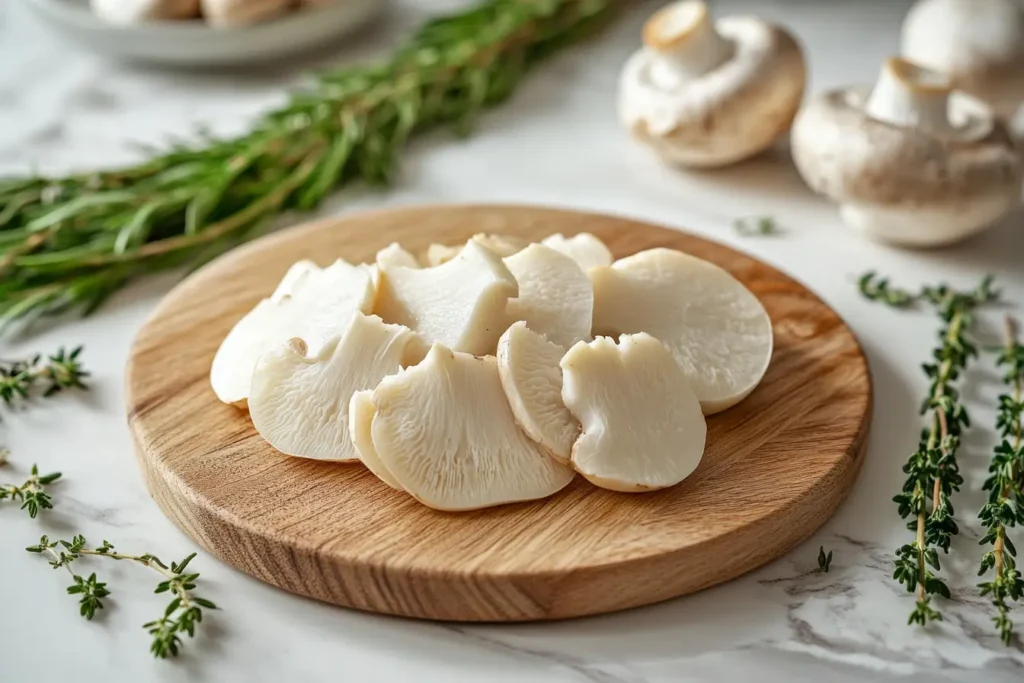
776,466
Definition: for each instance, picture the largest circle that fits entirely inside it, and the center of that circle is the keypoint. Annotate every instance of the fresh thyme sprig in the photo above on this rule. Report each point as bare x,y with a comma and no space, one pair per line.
749,226
32,494
933,474
68,243
1005,506
179,618
19,379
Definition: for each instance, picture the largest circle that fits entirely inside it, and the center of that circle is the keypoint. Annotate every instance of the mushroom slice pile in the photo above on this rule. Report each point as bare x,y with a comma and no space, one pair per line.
300,403
532,380
717,330
460,304
360,426
642,424
312,304
444,429
502,245
555,297
585,249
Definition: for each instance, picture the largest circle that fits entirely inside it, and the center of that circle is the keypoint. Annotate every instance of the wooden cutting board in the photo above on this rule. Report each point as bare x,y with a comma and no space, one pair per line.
776,466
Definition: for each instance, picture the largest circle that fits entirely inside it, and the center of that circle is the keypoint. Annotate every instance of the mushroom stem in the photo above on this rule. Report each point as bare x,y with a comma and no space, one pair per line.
910,95
685,40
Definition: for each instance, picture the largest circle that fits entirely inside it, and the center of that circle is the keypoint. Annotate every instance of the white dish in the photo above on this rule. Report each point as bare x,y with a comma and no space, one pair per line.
194,43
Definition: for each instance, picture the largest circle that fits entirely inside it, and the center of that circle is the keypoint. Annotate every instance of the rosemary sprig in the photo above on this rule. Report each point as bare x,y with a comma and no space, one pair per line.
32,494
1005,506
749,226
179,618
20,378
68,243
933,474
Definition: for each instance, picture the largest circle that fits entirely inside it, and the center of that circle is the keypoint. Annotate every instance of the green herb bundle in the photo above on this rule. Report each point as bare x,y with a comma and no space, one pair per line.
933,474
68,243
1005,485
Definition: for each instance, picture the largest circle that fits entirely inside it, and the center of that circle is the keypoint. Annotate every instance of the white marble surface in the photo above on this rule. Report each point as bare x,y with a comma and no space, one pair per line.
556,143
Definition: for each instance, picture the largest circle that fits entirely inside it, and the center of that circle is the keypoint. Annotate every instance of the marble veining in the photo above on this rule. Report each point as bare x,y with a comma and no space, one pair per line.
557,142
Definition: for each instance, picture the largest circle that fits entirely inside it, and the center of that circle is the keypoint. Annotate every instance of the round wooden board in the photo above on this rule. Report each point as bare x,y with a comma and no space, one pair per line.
776,466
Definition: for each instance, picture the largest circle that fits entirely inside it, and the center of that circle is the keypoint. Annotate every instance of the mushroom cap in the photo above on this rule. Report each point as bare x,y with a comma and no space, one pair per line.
555,297
583,248
971,177
444,429
642,425
310,303
360,429
715,327
979,43
734,111
461,303
300,403
132,11
528,365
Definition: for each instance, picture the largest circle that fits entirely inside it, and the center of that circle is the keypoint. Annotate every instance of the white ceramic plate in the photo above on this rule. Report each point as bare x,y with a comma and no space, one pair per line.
194,43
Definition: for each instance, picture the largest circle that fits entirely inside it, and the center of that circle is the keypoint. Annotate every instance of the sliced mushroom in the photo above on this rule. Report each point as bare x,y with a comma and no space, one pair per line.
708,94
228,13
134,11
360,429
528,365
444,429
460,304
913,162
299,403
555,297
312,304
585,249
717,330
642,424
502,245
978,43
293,278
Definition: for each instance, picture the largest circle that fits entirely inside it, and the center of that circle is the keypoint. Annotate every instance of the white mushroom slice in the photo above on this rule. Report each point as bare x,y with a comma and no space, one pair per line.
318,308
913,163
229,13
642,424
532,380
292,279
445,431
978,43
555,298
460,304
395,255
717,330
360,425
299,404
134,11
502,245
708,94
585,249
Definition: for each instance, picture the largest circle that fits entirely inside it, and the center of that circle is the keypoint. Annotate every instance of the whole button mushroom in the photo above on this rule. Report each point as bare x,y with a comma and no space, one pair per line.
707,94
912,162
228,13
134,11
979,43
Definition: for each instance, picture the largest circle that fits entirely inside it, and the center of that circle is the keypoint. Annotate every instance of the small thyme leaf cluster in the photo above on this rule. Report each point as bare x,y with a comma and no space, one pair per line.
1005,485
181,616
933,474
21,378
755,225
32,494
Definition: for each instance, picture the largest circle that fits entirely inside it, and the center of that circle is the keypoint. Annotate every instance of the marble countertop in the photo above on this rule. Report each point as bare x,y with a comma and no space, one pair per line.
558,143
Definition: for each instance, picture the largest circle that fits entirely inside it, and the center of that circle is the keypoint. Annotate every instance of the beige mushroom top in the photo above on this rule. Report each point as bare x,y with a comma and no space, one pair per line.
696,72
911,140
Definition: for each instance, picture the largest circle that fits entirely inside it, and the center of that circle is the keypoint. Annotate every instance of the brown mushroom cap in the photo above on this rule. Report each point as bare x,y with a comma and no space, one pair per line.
844,153
734,111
